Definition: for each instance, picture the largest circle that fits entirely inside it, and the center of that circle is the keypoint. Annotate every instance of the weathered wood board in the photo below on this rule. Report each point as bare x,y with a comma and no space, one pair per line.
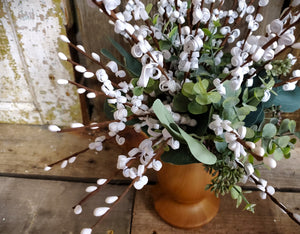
29,44
26,150
39,206
267,217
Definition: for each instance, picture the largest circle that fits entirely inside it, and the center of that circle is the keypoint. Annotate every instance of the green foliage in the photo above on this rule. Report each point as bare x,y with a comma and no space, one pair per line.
287,100
176,156
225,177
276,139
197,149
131,64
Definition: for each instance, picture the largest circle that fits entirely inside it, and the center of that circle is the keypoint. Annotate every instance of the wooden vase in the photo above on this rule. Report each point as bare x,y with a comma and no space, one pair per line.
180,198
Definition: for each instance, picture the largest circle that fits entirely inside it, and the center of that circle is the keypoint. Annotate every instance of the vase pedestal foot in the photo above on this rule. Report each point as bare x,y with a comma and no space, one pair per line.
185,215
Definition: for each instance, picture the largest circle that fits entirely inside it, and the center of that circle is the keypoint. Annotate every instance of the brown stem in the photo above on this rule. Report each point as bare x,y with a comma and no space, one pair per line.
179,25
287,81
97,190
273,199
66,158
152,34
159,151
110,73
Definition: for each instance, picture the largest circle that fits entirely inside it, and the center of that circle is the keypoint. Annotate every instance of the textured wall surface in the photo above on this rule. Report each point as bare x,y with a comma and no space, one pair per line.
29,64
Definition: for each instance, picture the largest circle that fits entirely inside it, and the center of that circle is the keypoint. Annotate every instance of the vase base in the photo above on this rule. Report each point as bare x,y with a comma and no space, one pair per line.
185,215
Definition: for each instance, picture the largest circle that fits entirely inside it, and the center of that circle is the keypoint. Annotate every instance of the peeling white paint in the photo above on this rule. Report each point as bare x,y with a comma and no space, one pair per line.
32,28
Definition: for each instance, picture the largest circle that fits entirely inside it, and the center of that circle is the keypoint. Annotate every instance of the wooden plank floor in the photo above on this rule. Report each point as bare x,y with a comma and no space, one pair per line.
35,201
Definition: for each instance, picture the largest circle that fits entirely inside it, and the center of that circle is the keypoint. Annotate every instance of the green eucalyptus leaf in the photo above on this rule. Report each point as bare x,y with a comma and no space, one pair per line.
288,100
274,121
199,151
272,147
293,141
287,156
265,142
202,99
283,141
180,156
213,97
221,146
278,154
201,71
250,133
188,89
245,95
269,130
197,109
284,126
166,119
180,103
297,134
230,102
292,126
286,150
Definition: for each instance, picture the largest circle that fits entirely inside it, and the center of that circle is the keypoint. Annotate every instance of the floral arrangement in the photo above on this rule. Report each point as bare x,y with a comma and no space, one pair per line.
200,91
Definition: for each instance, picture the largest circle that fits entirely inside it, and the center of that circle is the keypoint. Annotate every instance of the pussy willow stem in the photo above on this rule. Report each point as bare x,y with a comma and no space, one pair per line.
158,153
273,199
113,17
110,73
66,158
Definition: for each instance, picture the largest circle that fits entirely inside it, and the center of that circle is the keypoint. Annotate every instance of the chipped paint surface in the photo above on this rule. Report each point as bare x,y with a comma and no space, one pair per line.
29,63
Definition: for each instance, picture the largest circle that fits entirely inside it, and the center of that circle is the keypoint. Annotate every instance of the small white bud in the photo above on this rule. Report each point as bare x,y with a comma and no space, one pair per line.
296,46
62,56
88,74
64,164
270,190
72,159
62,81
111,199
47,168
250,144
81,48
76,125
297,217
101,181
270,162
263,195
64,38
259,151
78,209
81,90
100,211
80,68
54,128
268,67
90,189
86,231
91,95
96,56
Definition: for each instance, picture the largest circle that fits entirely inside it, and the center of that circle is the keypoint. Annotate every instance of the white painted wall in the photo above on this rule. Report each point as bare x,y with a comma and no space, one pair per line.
29,31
